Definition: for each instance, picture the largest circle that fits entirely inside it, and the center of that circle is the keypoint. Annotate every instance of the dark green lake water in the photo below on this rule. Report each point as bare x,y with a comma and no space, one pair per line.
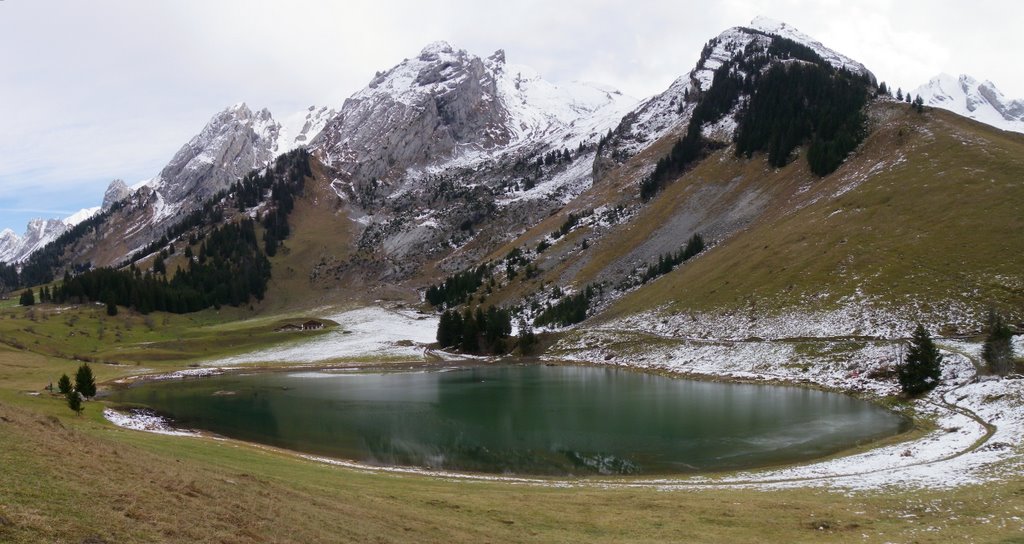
556,420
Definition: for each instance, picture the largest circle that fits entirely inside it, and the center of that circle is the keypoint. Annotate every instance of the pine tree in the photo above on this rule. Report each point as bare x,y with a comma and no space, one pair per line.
998,348
84,381
449,329
921,369
882,89
64,384
74,402
527,338
899,94
470,333
158,265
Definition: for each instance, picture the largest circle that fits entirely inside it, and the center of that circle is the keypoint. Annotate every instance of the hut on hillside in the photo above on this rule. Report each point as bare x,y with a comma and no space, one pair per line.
312,325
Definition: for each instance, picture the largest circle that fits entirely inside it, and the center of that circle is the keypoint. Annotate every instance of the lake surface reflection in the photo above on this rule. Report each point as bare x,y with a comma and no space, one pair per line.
530,419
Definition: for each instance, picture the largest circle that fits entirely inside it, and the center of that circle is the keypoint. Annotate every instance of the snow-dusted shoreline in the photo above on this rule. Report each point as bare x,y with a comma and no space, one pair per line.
977,424
144,420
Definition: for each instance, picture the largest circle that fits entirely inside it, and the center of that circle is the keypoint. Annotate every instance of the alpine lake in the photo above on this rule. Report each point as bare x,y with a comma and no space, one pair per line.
525,419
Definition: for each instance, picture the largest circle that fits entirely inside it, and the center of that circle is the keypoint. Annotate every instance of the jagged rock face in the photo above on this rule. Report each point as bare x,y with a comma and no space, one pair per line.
10,242
14,248
670,111
117,191
233,143
980,101
415,113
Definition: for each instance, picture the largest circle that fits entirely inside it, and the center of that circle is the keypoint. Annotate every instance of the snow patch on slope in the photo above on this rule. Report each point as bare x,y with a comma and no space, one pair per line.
366,333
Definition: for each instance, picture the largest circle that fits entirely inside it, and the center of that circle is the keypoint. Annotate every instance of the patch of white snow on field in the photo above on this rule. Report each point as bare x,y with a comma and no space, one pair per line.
144,420
362,333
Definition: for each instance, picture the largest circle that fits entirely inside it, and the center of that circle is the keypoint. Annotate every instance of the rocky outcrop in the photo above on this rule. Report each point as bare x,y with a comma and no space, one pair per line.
14,248
117,191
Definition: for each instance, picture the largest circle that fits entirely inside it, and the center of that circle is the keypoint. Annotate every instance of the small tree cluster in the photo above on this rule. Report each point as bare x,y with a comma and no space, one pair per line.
457,289
84,387
998,348
554,157
668,261
920,370
571,222
475,331
568,311
28,298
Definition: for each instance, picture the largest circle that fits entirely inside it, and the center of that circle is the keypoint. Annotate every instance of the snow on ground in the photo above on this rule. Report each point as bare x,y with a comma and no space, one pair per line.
144,420
364,333
856,315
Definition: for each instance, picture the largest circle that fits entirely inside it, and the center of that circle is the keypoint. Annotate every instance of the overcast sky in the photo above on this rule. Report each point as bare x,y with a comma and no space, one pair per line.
102,89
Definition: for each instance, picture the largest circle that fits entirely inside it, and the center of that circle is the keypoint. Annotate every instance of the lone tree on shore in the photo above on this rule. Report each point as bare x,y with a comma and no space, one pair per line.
998,348
84,381
921,369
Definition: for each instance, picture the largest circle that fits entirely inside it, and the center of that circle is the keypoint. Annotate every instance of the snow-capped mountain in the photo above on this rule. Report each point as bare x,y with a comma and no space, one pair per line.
671,110
232,143
38,233
980,101
448,104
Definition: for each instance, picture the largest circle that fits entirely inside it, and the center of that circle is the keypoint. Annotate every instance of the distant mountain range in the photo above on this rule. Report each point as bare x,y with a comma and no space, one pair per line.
480,107
981,101
812,193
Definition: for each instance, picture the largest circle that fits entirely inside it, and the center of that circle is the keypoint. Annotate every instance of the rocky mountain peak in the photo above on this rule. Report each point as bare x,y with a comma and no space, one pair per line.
779,28
420,110
117,190
447,102
235,141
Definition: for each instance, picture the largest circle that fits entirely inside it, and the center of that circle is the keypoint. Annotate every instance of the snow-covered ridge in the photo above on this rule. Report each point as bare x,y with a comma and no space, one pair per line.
981,101
38,233
837,60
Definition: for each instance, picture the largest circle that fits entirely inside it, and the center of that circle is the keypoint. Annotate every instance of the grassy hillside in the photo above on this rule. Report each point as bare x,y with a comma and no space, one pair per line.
928,210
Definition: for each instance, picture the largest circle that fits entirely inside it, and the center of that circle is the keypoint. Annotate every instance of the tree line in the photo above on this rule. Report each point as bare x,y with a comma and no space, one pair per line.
456,289
475,332
230,269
